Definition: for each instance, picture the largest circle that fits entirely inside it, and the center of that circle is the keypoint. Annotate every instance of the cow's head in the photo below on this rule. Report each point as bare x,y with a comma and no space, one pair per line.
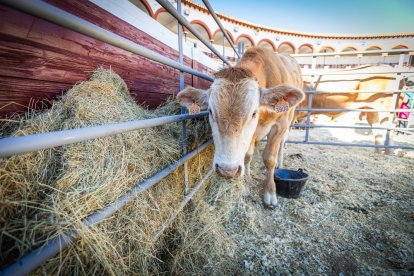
233,102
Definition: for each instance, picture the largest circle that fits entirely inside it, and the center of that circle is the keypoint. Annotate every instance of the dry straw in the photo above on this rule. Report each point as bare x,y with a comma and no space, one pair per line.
44,193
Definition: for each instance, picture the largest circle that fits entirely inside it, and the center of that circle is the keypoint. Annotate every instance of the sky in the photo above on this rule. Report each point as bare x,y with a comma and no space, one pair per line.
324,16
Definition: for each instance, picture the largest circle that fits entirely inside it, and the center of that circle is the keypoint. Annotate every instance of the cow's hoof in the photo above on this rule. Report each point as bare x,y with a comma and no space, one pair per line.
270,200
389,151
269,206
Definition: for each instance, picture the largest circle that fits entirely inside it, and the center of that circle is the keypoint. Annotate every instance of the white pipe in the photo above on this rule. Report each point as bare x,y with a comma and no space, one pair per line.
17,145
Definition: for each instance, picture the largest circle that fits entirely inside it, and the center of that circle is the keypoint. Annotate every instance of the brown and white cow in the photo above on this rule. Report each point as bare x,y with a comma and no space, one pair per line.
358,80
254,99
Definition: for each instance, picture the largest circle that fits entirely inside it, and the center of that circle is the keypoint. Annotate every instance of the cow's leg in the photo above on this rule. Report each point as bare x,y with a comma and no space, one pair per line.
249,156
269,157
389,137
281,152
373,121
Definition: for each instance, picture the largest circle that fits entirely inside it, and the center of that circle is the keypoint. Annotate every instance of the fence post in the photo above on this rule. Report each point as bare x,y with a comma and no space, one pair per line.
394,102
310,98
224,44
183,110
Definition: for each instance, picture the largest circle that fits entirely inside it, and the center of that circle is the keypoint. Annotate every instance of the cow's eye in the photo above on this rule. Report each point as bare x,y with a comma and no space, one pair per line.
211,114
254,114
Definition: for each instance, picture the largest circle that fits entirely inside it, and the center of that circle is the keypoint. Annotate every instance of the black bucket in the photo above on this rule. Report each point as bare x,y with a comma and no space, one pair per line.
289,183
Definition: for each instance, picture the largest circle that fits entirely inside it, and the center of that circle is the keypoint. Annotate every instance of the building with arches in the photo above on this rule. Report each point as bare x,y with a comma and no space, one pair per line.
245,34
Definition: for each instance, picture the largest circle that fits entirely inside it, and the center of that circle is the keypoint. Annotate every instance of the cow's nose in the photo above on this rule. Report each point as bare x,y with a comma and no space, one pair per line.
227,171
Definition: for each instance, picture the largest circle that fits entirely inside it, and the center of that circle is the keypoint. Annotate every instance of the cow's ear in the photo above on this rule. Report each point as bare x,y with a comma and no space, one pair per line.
281,97
194,99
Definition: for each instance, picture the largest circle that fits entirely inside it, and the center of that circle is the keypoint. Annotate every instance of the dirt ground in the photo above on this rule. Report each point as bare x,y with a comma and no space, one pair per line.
355,215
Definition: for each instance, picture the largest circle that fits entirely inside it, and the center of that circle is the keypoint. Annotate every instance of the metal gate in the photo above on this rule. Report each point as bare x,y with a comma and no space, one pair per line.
399,71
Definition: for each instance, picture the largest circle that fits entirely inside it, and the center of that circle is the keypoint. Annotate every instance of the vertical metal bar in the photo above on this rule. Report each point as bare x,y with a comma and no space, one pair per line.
183,110
173,11
310,97
395,97
223,48
213,14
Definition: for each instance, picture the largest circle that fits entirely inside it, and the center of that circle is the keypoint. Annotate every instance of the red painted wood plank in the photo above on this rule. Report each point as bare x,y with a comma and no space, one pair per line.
37,51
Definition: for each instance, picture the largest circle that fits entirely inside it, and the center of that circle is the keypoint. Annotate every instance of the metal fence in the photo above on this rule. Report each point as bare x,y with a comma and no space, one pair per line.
18,145
399,72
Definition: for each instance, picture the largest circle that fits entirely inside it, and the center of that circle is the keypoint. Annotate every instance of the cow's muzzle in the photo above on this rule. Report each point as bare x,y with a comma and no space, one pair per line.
227,171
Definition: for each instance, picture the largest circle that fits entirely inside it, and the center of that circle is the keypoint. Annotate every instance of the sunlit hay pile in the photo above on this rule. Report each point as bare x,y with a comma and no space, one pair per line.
202,244
45,193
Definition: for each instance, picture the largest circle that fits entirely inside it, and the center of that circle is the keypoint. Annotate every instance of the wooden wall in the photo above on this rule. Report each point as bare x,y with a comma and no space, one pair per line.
40,60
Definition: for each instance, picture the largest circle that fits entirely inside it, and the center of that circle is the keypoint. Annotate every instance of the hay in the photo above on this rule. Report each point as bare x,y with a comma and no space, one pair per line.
44,193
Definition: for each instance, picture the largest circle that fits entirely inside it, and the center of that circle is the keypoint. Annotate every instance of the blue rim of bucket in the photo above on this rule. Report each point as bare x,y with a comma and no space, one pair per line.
289,173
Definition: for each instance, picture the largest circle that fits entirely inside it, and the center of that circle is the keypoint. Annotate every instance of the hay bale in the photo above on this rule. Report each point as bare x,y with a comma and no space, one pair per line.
44,193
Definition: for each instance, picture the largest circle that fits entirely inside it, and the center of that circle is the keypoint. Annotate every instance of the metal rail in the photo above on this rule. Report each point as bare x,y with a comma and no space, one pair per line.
350,127
398,51
22,144
37,257
170,8
182,205
213,14
62,18
356,91
350,145
347,73
352,110
182,109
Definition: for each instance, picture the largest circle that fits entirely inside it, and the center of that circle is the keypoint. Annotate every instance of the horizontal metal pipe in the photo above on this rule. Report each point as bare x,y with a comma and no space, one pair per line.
171,9
21,144
31,261
213,14
353,109
356,91
346,73
62,18
398,51
349,145
350,127
186,199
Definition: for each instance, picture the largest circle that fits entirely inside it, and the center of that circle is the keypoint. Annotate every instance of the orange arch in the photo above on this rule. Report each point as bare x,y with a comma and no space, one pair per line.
268,41
307,45
160,10
148,7
373,46
287,43
350,47
246,36
327,47
204,25
230,35
403,46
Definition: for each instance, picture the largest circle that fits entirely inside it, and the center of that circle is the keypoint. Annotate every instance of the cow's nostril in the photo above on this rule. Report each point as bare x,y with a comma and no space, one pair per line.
227,171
